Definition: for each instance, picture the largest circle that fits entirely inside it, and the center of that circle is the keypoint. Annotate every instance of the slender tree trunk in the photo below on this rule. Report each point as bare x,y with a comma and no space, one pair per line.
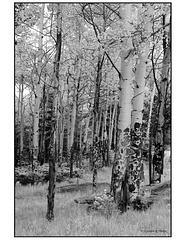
95,147
38,90
51,188
73,138
112,125
62,117
42,138
111,130
149,134
104,129
115,127
86,133
99,123
68,125
159,138
21,122
57,114
73,120
80,145
150,111
62,133
17,129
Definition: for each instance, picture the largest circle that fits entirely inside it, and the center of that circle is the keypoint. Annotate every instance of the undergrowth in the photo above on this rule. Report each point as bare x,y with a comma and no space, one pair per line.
72,219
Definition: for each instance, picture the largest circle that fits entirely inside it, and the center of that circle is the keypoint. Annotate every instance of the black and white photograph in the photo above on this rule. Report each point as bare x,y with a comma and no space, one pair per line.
92,119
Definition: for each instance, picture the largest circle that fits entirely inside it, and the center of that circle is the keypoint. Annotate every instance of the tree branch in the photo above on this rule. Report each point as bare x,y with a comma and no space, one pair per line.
119,73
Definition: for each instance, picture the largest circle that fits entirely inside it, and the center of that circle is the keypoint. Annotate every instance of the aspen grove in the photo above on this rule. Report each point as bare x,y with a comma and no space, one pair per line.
92,91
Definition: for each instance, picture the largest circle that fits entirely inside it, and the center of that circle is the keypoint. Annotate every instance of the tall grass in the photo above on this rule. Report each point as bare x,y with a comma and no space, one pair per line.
72,219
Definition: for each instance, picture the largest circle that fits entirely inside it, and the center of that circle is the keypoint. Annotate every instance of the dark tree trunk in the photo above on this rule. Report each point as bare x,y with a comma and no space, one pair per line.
150,159
160,133
51,188
75,139
95,147
52,155
41,154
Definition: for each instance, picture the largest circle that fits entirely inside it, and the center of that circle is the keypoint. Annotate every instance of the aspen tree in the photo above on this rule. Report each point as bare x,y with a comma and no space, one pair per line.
135,168
74,113
125,96
162,94
38,89
149,134
52,155
159,138
150,110
62,118
112,124
21,121
95,146
68,120
86,132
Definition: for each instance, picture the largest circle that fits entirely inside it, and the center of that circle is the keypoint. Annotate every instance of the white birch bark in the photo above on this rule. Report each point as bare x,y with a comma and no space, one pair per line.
38,89
125,94
125,97
137,113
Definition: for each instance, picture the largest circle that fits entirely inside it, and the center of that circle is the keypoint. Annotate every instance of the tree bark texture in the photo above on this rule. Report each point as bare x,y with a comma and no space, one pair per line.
52,155
159,138
119,187
74,123
95,147
38,90
135,167
21,122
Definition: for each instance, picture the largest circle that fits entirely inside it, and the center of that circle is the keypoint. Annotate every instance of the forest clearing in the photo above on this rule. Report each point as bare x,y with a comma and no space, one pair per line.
92,119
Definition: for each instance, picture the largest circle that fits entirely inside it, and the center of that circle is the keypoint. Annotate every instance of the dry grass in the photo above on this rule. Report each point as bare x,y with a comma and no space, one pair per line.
72,219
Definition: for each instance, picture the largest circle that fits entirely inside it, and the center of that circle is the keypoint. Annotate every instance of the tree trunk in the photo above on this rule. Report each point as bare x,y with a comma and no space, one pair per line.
21,123
115,127
51,188
136,162
61,133
95,147
38,90
73,138
111,128
86,133
159,138
62,111
135,167
125,96
68,125
149,134
150,111
160,133
72,131
42,138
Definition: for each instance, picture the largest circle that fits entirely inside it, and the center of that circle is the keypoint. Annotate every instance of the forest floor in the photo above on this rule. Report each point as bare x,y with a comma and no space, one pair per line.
72,219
